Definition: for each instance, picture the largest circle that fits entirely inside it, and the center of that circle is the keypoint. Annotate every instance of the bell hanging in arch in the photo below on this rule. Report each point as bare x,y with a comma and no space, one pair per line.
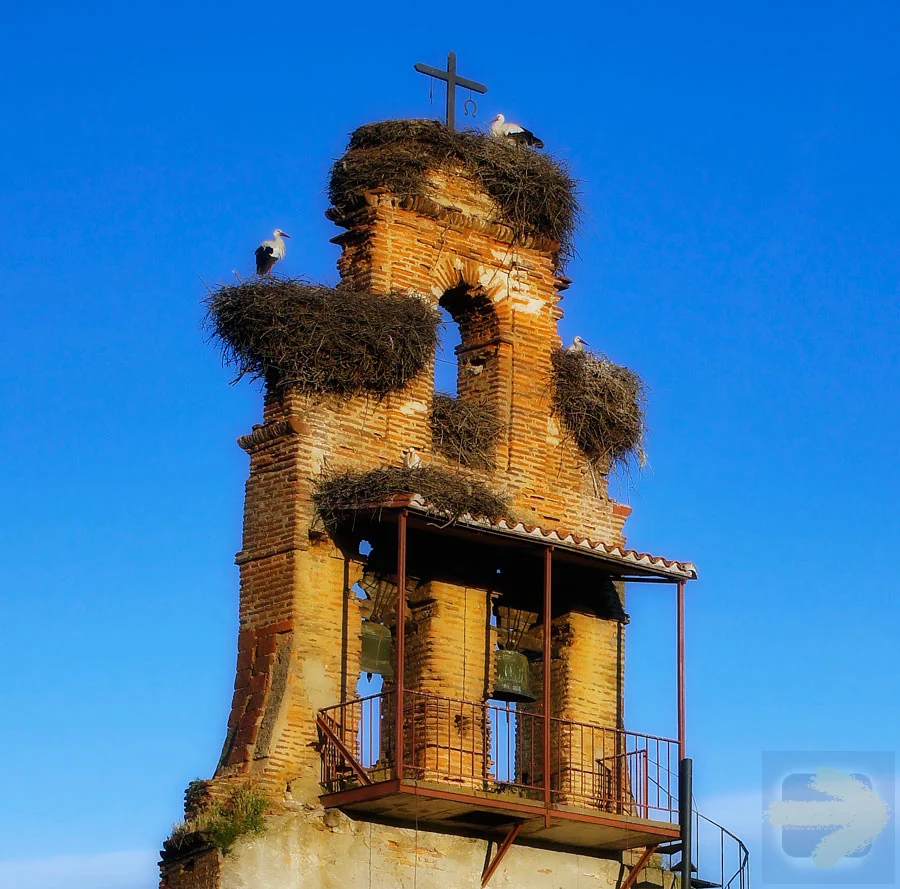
513,678
376,649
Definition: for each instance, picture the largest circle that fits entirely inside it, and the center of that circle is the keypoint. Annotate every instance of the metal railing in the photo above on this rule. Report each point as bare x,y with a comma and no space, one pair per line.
720,857
499,748
618,771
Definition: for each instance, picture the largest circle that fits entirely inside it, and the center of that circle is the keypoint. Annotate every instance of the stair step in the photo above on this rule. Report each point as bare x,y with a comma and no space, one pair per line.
705,884
676,865
668,848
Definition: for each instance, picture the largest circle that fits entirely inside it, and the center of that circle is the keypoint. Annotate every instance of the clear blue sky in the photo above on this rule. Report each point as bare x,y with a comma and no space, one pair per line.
741,250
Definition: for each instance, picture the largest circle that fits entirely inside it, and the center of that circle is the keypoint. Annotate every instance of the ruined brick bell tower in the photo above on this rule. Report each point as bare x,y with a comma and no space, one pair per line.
430,669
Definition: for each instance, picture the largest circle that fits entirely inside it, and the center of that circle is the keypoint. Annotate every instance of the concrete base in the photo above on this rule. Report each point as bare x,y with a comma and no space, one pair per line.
311,848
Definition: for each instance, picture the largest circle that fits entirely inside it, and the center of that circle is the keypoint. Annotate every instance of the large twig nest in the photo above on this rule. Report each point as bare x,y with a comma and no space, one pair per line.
534,192
463,430
449,495
601,405
293,333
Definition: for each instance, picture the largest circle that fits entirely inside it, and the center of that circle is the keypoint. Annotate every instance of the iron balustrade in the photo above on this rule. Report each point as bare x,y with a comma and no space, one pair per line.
492,747
488,746
719,856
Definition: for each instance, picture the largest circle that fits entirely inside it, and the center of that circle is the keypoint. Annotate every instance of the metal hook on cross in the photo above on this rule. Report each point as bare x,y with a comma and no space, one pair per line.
452,81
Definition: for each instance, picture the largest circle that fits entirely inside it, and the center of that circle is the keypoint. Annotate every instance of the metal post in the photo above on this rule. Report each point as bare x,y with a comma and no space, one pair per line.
399,677
548,583
681,747
646,783
685,795
451,91
345,629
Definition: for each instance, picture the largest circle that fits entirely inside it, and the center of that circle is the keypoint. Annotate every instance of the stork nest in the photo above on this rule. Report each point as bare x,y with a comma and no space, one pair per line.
601,405
464,430
293,333
448,495
534,192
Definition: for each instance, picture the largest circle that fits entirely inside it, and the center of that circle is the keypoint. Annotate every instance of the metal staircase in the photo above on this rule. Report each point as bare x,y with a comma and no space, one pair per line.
718,859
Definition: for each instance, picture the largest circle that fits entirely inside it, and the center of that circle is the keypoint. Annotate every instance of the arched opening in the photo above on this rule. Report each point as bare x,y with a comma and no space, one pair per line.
465,422
477,328
446,369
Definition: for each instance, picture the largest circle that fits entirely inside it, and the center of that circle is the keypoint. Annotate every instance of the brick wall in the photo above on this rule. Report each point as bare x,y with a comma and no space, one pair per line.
199,869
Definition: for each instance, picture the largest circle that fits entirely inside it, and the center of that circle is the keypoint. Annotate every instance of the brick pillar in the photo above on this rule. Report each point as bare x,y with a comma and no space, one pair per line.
592,762
447,654
295,640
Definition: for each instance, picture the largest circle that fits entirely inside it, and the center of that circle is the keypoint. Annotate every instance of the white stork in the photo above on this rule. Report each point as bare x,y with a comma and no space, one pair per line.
269,252
514,132
411,460
578,345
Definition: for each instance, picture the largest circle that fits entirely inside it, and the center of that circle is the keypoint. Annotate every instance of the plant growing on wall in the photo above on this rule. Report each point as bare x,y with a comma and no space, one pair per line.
221,821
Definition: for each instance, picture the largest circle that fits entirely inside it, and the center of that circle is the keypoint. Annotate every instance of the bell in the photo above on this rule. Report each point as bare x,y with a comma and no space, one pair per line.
376,650
513,678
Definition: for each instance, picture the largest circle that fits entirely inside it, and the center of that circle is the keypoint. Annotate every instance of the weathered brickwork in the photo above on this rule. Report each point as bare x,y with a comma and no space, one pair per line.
196,870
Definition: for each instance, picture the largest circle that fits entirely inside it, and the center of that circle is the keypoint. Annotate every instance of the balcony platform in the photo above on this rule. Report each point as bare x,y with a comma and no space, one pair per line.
443,807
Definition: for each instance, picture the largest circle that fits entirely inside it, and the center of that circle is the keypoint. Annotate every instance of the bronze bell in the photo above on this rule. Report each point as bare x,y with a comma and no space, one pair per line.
376,650
513,678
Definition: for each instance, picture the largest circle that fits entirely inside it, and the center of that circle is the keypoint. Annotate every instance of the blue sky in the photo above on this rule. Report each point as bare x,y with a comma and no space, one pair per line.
740,249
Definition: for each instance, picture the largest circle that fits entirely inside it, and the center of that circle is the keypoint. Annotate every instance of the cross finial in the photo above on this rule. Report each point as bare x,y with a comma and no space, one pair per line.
452,83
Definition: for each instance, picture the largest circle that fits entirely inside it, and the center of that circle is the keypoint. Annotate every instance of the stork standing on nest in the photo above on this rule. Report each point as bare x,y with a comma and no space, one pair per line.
411,459
269,252
514,132
578,345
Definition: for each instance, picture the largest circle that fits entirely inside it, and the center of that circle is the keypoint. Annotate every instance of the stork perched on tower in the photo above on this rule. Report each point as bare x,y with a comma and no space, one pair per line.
411,458
269,252
514,132
578,345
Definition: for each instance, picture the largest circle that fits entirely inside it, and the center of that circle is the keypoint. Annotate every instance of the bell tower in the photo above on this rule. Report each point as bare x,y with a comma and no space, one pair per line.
463,549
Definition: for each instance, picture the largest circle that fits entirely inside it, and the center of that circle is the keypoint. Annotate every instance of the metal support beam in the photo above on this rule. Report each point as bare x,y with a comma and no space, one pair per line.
638,867
548,597
680,621
685,824
326,729
399,676
502,849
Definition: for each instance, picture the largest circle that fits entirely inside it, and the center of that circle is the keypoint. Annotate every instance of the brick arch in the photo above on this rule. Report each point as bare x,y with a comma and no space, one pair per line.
479,323
473,311
451,273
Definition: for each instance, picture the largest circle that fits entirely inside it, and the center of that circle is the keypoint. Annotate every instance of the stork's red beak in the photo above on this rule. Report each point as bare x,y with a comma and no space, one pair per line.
285,235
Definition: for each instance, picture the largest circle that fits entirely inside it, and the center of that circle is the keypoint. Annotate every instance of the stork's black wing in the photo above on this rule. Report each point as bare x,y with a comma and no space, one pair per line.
526,137
264,259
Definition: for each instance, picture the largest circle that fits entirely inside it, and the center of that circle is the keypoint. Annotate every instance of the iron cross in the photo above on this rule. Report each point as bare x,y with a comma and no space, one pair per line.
452,83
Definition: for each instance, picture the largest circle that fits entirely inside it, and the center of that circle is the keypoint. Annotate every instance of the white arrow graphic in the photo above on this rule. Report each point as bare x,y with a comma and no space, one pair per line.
858,812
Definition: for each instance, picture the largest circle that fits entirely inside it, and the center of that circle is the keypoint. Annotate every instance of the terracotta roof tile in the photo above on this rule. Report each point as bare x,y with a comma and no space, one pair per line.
641,562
